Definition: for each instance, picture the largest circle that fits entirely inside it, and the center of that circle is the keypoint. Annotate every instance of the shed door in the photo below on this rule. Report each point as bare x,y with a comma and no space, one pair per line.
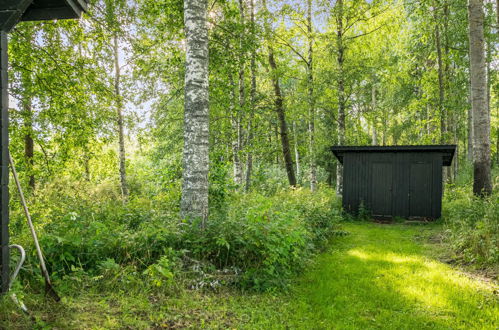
381,194
420,189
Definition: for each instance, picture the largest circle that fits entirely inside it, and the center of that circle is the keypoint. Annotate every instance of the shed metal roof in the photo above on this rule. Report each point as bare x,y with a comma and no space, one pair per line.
13,11
447,150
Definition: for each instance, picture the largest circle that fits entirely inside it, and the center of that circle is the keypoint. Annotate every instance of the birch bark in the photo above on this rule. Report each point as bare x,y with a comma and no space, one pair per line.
482,184
341,91
194,201
249,159
119,117
311,99
375,119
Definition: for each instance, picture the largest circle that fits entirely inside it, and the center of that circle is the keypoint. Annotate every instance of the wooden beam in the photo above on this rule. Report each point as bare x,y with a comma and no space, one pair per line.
4,164
78,6
66,9
43,14
11,12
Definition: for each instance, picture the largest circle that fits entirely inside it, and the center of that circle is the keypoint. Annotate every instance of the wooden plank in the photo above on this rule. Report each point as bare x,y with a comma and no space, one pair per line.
437,182
78,6
401,186
347,184
14,4
382,185
42,14
11,12
42,10
421,179
4,164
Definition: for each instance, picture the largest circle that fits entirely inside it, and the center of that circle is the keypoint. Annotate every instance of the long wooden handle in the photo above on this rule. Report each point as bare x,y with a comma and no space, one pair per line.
30,223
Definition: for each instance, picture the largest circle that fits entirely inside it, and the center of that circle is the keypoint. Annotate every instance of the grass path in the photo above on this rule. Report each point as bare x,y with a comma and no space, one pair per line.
385,276
377,277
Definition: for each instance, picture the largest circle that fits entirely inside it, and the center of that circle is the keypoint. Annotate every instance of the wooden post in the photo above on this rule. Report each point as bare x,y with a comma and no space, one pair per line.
4,165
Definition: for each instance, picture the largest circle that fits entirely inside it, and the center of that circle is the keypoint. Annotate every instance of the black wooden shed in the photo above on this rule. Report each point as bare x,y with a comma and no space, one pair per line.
403,181
11,12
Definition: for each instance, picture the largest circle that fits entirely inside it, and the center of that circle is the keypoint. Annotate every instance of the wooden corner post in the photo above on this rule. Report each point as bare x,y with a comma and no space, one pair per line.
4,164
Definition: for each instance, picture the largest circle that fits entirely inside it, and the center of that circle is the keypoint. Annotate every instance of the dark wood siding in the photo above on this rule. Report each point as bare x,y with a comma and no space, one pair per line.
420,188
393,183
4,163
381,188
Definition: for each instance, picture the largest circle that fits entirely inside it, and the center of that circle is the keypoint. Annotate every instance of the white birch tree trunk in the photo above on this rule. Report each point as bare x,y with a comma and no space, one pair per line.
119,117
482,184
235,117
341,92
311,99
238,167
469,152
194,201
249,142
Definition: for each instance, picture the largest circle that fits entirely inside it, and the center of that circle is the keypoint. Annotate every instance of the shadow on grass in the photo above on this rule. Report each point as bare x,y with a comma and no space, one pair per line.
378,277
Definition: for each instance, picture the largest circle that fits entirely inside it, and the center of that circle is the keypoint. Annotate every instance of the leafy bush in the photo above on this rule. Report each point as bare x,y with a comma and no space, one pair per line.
473,226
266,239
251,240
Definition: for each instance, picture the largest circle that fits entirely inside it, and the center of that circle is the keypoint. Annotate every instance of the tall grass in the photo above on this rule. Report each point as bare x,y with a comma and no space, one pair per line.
472,223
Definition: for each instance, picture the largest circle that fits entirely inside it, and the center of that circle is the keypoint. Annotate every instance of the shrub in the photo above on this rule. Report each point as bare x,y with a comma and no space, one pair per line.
266,239
251,240
473,226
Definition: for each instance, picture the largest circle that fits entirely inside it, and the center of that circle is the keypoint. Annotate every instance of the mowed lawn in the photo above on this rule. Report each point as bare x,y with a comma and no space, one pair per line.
378,277
386,276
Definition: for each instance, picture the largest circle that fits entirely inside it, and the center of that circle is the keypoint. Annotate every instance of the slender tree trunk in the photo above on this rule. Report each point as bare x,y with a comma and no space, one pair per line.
28,141
27,115
441,92
281,114
497,21
470,135
482,184
194,201
373,109
441,83
238,170
311,99
249,143
119,113
450,114
341,91
488,60
297,154
236,133
86,164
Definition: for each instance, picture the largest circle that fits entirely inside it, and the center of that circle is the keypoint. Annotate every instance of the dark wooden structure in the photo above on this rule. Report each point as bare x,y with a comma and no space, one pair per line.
11,12
403,181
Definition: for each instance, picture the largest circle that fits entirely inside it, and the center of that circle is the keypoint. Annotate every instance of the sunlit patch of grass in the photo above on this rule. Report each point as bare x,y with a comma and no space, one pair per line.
380,277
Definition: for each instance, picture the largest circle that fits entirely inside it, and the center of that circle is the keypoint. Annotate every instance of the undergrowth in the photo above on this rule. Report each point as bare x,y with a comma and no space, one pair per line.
473,226
472,223
253,242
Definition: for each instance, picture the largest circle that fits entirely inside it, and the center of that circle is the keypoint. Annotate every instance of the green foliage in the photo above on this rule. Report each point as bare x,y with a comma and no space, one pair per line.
161,272
266,239
473,226
378,277
251,240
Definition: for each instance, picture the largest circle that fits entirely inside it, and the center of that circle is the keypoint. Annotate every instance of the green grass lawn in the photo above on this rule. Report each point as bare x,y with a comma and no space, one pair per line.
377,277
